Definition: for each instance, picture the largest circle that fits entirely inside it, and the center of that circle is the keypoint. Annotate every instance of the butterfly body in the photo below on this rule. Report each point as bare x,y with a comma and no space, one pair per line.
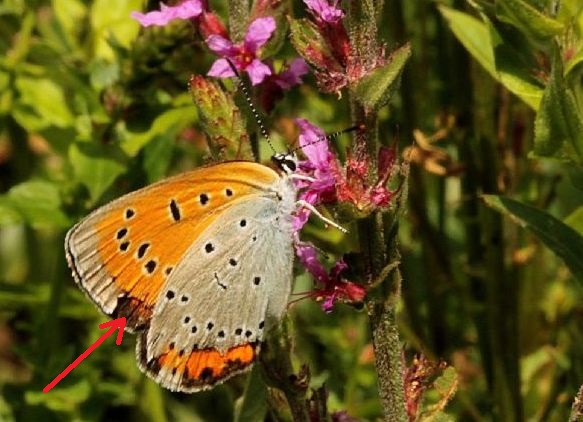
200,265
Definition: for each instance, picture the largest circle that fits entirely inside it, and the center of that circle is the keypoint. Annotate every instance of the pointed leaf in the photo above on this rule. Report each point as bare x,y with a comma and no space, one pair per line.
500,59
253,405
556,235
375,89
559,121
37,203
528,19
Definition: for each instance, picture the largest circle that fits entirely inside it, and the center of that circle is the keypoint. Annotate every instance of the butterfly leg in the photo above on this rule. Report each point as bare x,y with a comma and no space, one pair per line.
307,205
302,177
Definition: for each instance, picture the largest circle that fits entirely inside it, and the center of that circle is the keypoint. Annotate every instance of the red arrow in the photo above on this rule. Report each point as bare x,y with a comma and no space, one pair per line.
113,325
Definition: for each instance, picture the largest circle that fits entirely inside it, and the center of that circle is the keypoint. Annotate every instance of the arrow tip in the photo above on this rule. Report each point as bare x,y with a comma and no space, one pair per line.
118,323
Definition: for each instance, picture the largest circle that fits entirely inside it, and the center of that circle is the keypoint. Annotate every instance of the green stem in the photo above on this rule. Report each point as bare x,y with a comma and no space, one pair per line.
238,18
376,253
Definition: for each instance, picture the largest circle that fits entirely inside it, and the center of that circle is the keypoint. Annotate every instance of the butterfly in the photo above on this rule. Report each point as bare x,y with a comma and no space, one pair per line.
199,264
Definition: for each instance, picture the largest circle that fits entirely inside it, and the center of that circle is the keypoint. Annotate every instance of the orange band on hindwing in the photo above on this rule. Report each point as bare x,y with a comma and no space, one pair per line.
203,368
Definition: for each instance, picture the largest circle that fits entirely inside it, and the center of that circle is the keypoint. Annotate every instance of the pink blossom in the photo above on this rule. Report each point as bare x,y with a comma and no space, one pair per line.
333,286
320,165
243,55
325,11
185,10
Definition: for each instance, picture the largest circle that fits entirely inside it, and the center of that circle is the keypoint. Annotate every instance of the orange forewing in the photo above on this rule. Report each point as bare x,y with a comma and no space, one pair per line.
167,217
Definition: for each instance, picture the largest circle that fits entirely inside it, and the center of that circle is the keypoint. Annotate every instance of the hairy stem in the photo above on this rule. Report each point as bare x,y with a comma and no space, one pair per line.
238,17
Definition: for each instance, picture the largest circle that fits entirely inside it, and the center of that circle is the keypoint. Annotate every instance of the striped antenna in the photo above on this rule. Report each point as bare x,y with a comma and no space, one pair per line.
247,96
332,136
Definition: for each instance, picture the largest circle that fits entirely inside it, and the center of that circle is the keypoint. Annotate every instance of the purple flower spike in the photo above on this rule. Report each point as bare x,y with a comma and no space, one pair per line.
325,11
321,165
186,10
244,55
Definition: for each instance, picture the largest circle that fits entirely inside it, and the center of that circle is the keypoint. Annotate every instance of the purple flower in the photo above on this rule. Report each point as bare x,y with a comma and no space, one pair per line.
325,11
186,10
321,165
334,287
243,55
292,75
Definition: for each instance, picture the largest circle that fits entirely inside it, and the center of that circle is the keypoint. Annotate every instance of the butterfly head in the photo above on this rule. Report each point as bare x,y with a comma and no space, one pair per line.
288,162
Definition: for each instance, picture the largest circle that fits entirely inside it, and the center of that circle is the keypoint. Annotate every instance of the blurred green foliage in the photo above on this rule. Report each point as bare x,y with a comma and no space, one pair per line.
92,107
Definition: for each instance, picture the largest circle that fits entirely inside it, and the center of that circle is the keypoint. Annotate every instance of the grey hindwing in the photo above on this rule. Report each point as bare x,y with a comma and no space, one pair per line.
231,286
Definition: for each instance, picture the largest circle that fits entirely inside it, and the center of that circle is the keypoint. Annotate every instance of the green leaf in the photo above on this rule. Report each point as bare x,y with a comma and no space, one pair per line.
474,36
96,166
253,404
528,19
575,220
167,125
375,89
157,156
37,203
558,130
514,63
61,398
556,235
42,104
498,57
112,20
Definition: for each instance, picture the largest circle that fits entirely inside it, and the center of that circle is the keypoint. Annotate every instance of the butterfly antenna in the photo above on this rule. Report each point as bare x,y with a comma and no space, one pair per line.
247,96
332,136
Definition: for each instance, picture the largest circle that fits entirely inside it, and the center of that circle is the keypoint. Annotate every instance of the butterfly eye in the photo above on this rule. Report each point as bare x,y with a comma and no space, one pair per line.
186,320
238,331
243,223
124,246
257,280
209,247
228,192
204,198
210,325
221,334
233,262
169,295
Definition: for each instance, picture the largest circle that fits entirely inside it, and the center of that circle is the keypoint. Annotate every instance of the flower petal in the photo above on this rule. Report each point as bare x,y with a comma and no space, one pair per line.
257,71
313,143
221,69
221,45
325,11
186,10
293,75
259,32
308,256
